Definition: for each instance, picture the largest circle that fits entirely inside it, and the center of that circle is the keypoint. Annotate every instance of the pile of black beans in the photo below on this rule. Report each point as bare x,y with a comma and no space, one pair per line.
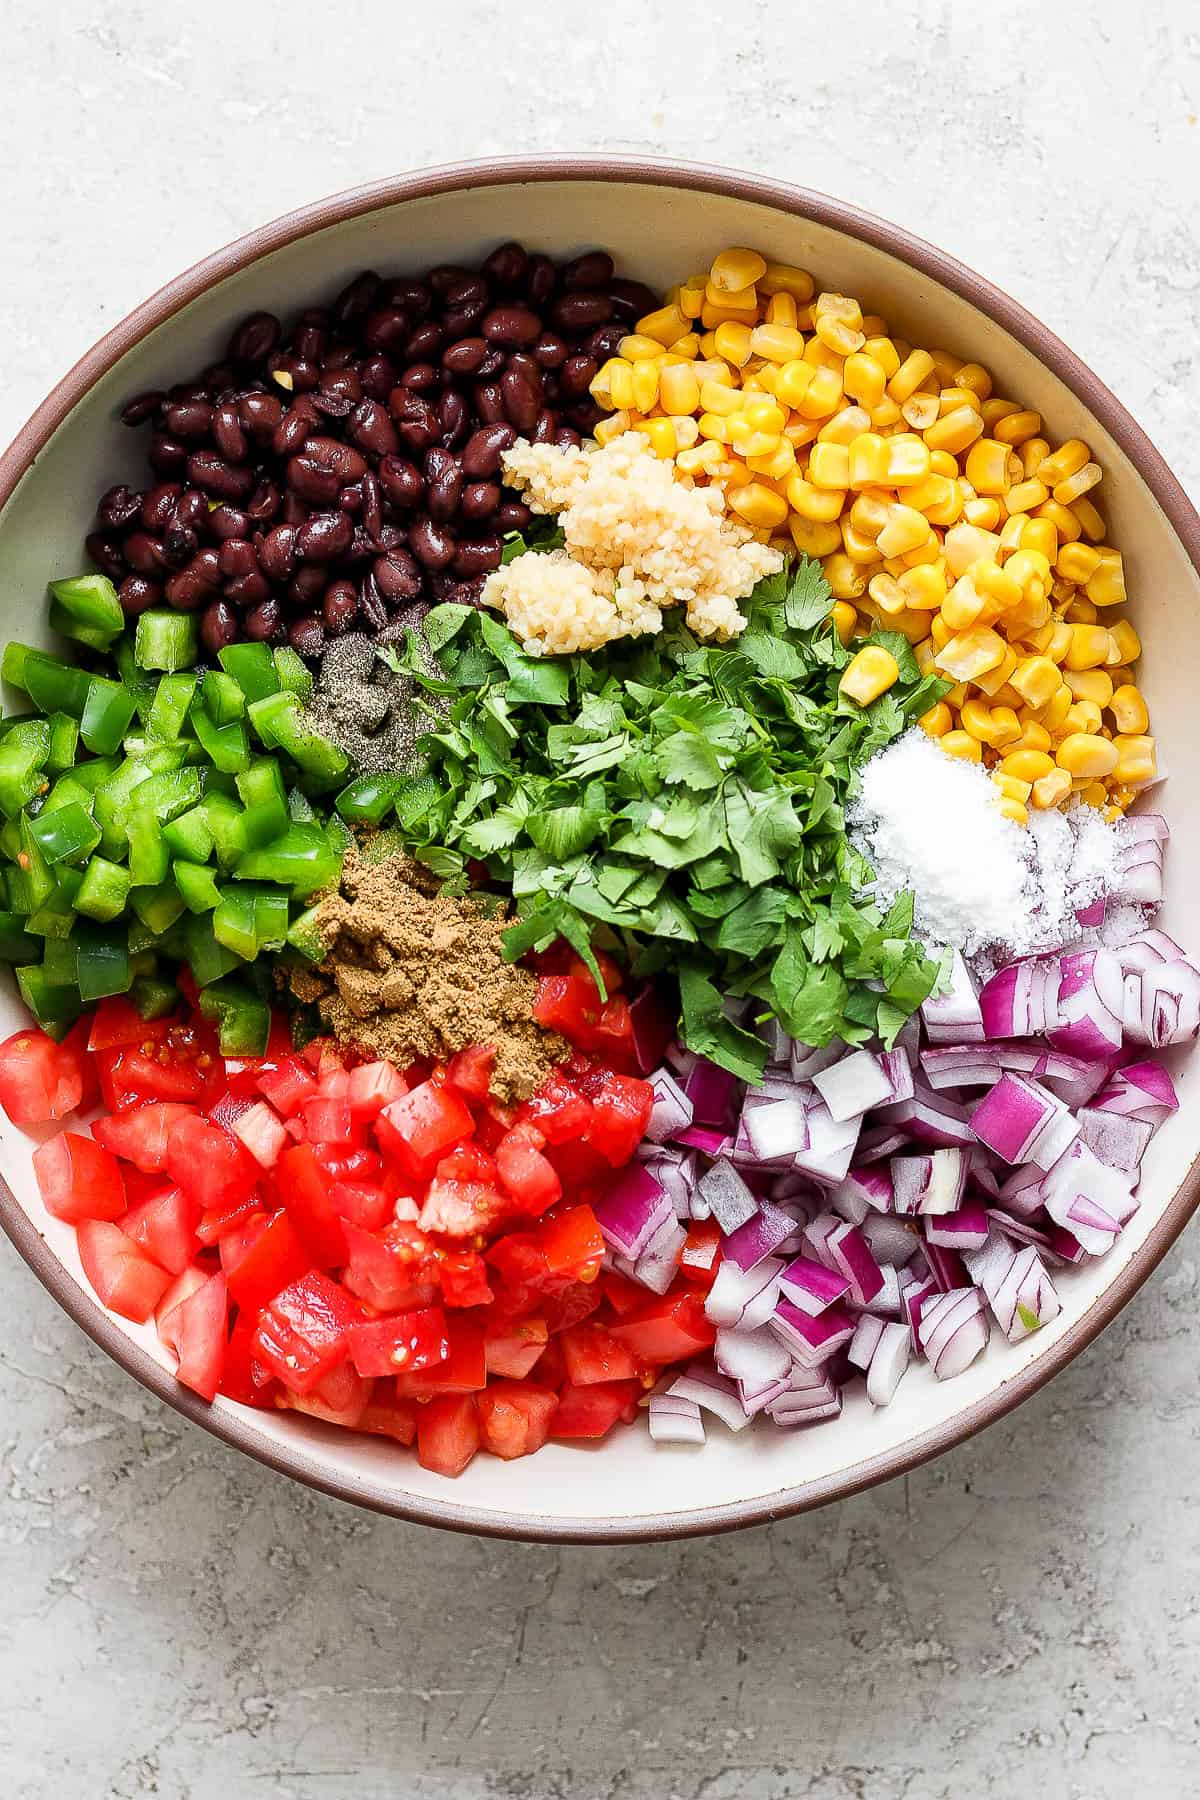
330,477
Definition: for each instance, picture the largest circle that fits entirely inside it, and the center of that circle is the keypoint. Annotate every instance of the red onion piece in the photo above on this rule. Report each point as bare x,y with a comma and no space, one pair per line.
739,1297
711,1091
953,1331
759,1237
811,1286
713,1392
867,1334
966,1229
633,1210
674,1420
853,1085
955,1016
888,1364
811,1340
672,1109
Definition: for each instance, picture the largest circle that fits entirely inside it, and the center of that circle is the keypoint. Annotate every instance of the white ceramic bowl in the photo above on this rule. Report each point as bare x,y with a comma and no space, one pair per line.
659,220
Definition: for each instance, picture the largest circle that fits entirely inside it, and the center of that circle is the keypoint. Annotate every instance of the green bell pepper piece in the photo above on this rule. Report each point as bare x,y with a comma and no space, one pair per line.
65,834
64,742
196,885
16,944
300,807
54,917
222,698
90,601
243,1020
153,997
169,794
22,777
30,733
234,923
103,962
113,801
223,817
189,837
165,640
157,907
95,772
265,799
53,686
279,723
141,684
253,668
104,890
302,859
60,960
65,792
54,1005
368,800
169,708
227,745
295,676
31,884
107,714
149,855
207,959
305,937
60,620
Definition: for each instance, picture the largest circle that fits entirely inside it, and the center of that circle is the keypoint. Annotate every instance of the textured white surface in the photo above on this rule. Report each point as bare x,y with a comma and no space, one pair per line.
1023,1616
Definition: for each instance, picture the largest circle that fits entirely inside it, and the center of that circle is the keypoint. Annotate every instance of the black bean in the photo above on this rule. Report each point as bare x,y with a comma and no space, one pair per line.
545,426
416,421
312,481
277,552
511,326
350,501
228,522
260,415
522,400
337,383
158,504
254,339
468,288
136,593
222,480
293,510
443,484
247,590
307,635
324,537
397,576
294,427
263,503
378,377
410,292
425,342
142,407
307,586
192,511
478,556
454,418
581,312
431,544
109,556
190,420
143,553
458,320
577,375
540,280
421,378
583,414
479,500
401,481
513,515
220,380
465,356
228,435
550,351
264,622
593,269
372,504
492,363
489,402
507,266
444,277
603,343
218,626
180,545
482,451
339,608
356,300
309,340
193,586
166,455
386,328
237,556
632,300
118,508
566,438
370,426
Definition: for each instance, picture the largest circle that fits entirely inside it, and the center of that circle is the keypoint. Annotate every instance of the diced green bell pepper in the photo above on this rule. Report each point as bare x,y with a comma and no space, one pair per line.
32,884
157,907
368,800
300,807
103,890
243,1020
103,961
170,794
54,917
107,714
88,603
60,960
189,837
207,959
228,746
141,684
265,799
295,676
55,1006
149,856
165,640
53,686
65,834
169,708
253,668
95,772
197,886
16,944
222,698
305,937
223,817
113,800
279,723
22,776
64,742
65,792
153,997
302,859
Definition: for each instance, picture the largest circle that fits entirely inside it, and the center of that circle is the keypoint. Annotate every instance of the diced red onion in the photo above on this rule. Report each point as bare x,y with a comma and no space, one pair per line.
756,1359
1020,999
890,1240
1146,949
658,1264
811,1340
1021,1229
953,1331
1116,1139
1086,1198
850,1255
757,1399
954,1017
1162,1004
806,1406
965,1229
811,1286
1023,1298
877,1144
679,1058
931,1118
672,1110
915,1294
1141,1090
864,1190
741,1297
1090,1005
867,1334
831,1144
714,1392
779,1044
728,1198
705,1138
633,1210
759,1237
897,1065
711,1090
1091,917
778,1130
674,1420
888,1364
1012,1116
988,1264
853,1085
805,1062
887,1301
945,1265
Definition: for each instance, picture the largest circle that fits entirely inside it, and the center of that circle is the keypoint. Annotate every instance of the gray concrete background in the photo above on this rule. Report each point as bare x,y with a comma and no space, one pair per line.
1021,1617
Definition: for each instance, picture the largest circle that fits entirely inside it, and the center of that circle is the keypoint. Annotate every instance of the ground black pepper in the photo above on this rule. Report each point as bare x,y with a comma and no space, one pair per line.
364,705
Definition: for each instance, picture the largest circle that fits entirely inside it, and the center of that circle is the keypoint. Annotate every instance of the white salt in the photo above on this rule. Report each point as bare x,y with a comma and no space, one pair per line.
992,888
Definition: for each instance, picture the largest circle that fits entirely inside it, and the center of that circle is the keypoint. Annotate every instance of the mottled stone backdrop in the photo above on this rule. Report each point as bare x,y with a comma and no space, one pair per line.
1018,1619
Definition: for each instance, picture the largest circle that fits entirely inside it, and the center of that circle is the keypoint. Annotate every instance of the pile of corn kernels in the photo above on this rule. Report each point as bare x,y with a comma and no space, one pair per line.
935,507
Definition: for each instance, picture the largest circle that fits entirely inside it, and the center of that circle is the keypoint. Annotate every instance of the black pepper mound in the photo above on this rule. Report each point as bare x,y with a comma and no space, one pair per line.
365,705
325,478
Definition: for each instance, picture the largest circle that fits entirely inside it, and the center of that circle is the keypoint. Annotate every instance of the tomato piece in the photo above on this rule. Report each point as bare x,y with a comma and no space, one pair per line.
530,1179
117,1021
569,1004
667,1329
572,1243
447,1434
78,1179
259,1130
581,1168
514,1417
623,1296
161,1076
470,1071
420,1127
372,1086
402,1343
364,1203
591,1412
460,1209
166,1313
347,1412
164,1226
612,1034
302,1334
244,1377
328,1120
211,1167
593,1354
621,1112
287,1085
611,972
514,1352
521,1263
700,1257
354,1164
387,1415
39,1079
468,1162
552,1367
576,1302
125,1280
463,1370
390,1269
558,1109
463,1277
270,1261
140,1134
304,1189
201,1328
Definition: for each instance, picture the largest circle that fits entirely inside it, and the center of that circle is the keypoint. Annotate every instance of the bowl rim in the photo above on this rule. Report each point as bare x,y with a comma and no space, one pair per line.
298,1461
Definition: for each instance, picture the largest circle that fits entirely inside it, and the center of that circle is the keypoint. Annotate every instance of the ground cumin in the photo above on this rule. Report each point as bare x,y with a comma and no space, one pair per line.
413,974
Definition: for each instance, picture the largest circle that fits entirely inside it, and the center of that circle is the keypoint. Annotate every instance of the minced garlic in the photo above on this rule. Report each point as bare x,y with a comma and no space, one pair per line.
639,540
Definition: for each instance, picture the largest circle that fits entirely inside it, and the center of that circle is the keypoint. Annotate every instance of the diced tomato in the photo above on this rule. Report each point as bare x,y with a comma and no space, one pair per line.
668,1329
463,1370
201,1327
140,1135
78,1178
165,1075
392,1269
287,1085
372,1086
354,1164
387,1415
117,1022
228,1110
348,1412
700,1257
569,1004
611,972
514,1417
575,1302
402,1343
514,1352
470,1071
302,1334
245,1378
304,1189
260,1130
623,1296
447,1434
233,1244
552,1366
582,1170
210,1167
521,1263
591,1412
271,1261
612,1034
621,1112
125,1280
492,1121
460,1209
165,1228
463,1277
422,1126
530,1179
327,1120
166,1313
593,1354
39,1079
558,1109
572,1244
468,1162
364,1203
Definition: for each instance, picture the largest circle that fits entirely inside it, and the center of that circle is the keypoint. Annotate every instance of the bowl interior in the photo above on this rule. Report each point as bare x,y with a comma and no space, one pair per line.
657,232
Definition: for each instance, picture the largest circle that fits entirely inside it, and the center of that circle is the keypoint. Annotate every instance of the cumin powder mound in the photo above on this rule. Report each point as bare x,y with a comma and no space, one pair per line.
411,974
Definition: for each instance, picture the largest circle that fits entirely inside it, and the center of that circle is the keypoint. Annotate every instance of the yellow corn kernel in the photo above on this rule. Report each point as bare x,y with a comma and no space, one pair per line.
919,411
824,394
713,425
1090,522
701,459
678,389
851,422
686,347
777,343
1059,643
1027,765
1006,727
971,653
737,268
990,681
906,529
717,398
1033,453
690,298
820,356
759,505
962,745
812,537
883,351
845,577
1064,521
605,430
1052,789
666,325
1126,645
844,617
937,497
782,278
937,721
620,381
1033,736
964,605
955,432
837,321
636,348
886,415
887,594
1010,788
812,502
872,672
764,414
983,513
1136,760
732,341
987,466
1056,709
1039,535
924,587
1088,648
966,544
1036,679
661,435
1024,496
868,458
1031,571
644,376
728,303
1018,427
1090,684
1081,716
747,441
1065,461
1011,533
781,310
864,378
778,465
858,548
908,460
1000,585
976,718
909,375
1014,810
1077,485
974,377
950,399
1085,754
687,430
793,382
994,410
1077,562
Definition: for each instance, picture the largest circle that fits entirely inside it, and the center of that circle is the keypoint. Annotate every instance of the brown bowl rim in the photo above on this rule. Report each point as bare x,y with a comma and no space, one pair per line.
1006,312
